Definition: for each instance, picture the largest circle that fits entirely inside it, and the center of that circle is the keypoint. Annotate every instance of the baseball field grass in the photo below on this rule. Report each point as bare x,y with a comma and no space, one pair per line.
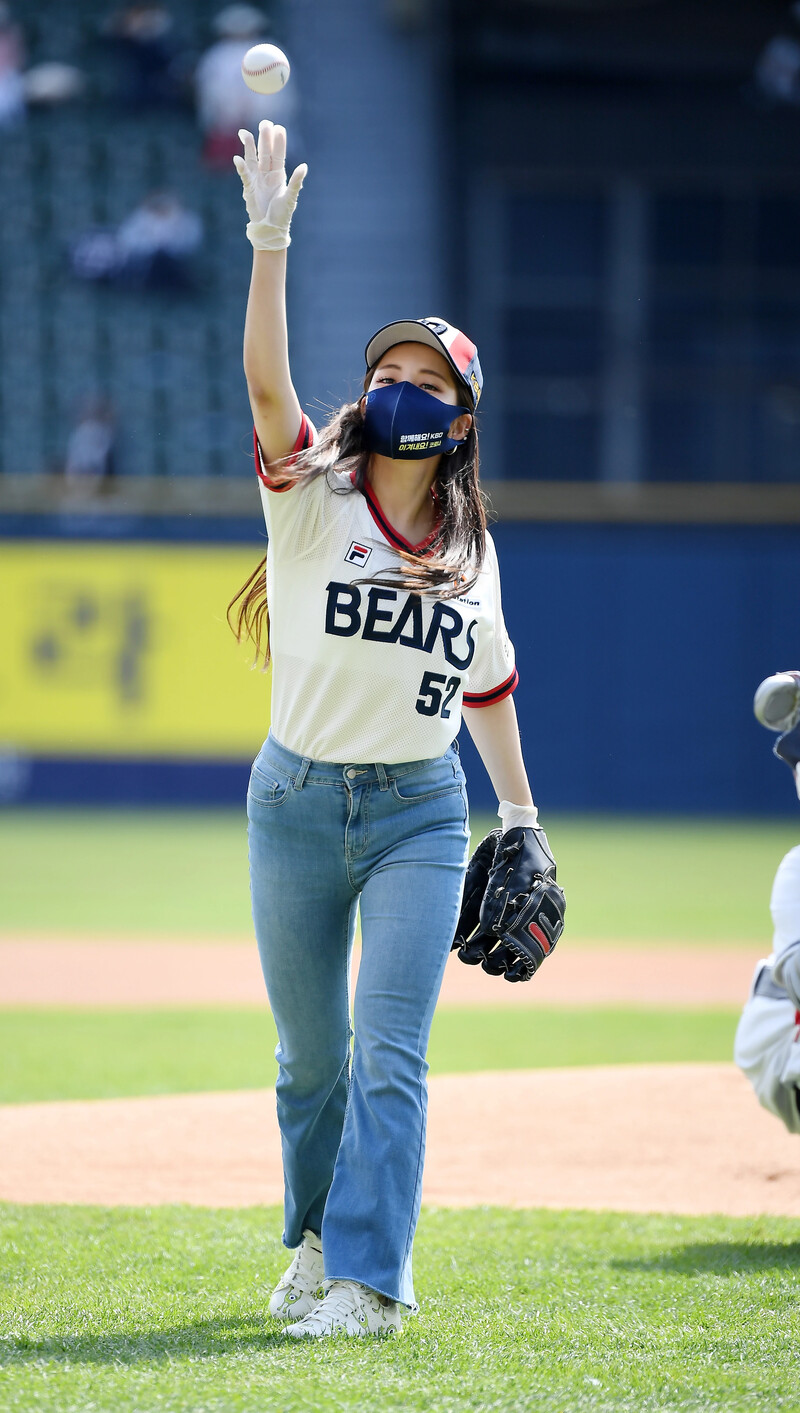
102,1054
118,874
121,1311
162,1310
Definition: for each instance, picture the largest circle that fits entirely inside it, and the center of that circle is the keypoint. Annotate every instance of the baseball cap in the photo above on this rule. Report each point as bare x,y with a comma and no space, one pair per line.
460,352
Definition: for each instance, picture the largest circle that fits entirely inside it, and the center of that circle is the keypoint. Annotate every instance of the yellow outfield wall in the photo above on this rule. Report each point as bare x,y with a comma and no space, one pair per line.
124,649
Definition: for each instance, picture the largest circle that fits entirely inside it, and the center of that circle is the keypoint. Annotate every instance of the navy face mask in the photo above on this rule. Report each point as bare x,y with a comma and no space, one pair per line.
407,424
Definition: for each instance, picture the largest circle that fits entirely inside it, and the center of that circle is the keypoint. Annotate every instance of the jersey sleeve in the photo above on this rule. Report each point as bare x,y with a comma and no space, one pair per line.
767,1046
305,438
297,516
493,674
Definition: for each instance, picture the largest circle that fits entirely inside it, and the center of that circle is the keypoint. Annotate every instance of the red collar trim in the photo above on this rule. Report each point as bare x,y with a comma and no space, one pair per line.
387,529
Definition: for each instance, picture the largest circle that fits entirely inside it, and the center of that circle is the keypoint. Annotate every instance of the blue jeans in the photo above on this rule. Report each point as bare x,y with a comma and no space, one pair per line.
324,838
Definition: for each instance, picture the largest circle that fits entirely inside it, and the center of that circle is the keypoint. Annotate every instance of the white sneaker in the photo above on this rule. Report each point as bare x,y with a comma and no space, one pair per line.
348,1309
300,1288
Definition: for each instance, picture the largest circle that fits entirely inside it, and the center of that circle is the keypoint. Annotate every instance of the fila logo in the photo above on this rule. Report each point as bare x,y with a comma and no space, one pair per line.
357,553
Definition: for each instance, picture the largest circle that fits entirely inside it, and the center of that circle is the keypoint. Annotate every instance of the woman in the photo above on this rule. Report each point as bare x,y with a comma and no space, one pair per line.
384,619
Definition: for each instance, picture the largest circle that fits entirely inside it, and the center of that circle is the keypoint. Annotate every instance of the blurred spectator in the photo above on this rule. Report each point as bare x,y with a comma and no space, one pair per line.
50,84
151,249
224,102
94,255
148,53
777,72
157,241
89,463
12,58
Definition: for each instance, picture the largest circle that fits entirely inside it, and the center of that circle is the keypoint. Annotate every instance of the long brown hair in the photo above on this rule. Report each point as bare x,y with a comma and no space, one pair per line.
452,559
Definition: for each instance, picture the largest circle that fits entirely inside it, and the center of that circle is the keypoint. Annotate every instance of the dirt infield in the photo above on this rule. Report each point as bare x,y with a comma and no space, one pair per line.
116,973
668,1138
660,1138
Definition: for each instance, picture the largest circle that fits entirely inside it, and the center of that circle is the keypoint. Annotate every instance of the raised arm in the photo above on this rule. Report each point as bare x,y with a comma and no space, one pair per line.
270,202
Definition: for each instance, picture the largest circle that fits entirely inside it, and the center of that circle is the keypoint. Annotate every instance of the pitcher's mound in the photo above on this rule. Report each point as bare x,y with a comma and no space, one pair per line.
657,1138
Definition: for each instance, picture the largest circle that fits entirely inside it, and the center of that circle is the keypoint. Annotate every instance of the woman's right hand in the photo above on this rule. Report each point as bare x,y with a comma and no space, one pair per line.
269,198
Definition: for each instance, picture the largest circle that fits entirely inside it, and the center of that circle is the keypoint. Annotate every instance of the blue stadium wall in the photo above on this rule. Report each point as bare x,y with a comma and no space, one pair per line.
639,649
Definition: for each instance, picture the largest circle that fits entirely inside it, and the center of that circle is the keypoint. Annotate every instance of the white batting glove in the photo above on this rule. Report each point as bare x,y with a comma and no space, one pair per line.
269,198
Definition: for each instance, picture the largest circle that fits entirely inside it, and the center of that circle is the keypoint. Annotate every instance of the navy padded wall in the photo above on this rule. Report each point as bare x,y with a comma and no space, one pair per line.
639,650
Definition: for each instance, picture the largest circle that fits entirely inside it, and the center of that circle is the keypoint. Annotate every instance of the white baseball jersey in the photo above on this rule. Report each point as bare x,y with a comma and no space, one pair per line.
767,1046
366,672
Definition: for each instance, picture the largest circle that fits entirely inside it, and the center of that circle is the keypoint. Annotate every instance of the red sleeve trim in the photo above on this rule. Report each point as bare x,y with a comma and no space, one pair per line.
483,699
305,439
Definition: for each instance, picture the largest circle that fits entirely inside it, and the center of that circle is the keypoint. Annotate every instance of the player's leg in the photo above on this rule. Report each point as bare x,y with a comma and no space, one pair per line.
304,915
784,902
785,908
414,868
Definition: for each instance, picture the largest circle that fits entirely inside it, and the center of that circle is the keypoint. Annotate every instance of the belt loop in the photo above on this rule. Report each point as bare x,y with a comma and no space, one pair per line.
302,773
381,774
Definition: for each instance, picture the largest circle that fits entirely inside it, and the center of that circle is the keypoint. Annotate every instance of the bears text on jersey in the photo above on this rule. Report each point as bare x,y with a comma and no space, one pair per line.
375,617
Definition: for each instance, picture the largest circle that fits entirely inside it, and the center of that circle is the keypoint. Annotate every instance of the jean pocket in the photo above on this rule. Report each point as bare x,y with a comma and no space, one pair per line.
427,783
268,787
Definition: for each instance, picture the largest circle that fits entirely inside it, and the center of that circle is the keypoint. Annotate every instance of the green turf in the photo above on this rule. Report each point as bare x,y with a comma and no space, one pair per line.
541,1038
117,874
675,881
162,1311
184,875
50,1054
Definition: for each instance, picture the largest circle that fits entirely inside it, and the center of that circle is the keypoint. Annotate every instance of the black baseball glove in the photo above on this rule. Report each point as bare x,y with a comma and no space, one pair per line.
512,914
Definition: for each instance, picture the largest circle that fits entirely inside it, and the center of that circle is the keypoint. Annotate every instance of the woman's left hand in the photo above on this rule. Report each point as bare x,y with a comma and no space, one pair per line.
513,910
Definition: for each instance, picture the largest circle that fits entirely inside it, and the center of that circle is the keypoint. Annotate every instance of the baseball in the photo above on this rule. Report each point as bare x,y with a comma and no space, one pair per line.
265,68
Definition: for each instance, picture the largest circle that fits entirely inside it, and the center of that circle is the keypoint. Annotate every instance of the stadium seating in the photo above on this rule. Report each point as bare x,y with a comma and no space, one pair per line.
170,363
